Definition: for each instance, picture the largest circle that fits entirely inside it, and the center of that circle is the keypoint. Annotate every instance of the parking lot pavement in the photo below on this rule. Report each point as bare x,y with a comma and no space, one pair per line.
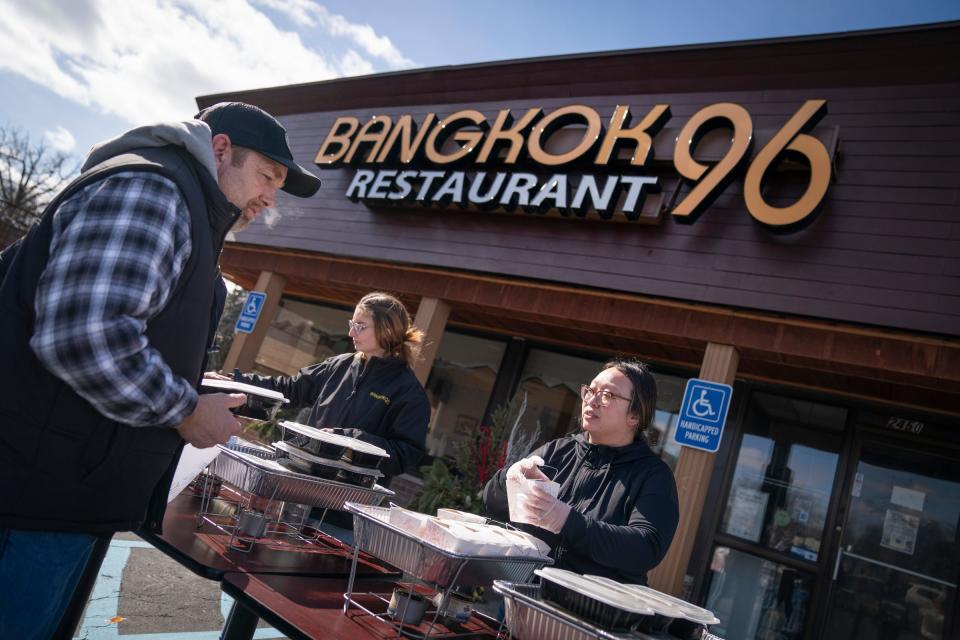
141,594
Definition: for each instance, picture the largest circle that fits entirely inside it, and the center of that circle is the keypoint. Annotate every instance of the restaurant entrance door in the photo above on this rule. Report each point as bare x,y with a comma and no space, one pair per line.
896,567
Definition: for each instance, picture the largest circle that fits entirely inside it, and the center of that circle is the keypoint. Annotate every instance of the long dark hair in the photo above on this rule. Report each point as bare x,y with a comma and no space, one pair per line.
643,399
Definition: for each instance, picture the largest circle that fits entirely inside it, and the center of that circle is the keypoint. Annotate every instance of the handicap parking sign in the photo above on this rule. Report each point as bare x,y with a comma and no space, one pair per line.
251,311
703,413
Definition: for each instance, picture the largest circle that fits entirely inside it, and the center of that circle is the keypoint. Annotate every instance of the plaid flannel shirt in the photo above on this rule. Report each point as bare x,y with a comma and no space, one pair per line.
117,251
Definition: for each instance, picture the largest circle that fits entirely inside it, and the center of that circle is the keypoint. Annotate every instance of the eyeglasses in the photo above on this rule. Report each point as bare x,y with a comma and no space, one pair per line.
356,327
604,398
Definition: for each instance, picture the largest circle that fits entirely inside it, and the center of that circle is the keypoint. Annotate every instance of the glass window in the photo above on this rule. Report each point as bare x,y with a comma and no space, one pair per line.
302,334
785,471
552,384
459,388
660,434
756,599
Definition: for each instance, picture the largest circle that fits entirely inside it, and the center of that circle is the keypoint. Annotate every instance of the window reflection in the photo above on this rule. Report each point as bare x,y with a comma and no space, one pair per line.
756,599
552,384
459,388
302,334
785,471
660,434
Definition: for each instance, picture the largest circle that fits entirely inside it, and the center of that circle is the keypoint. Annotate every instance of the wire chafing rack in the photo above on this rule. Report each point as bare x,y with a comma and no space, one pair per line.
442,570
528,617
272,500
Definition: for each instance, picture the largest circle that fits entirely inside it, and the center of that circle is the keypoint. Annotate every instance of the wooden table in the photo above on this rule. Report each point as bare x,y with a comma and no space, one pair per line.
305,608
206,552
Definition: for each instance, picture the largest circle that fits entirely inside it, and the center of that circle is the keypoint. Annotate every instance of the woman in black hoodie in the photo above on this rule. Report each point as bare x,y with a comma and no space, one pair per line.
371,394
617,510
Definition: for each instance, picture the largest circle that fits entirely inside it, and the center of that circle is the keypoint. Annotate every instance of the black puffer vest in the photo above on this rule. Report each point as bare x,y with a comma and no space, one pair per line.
63,465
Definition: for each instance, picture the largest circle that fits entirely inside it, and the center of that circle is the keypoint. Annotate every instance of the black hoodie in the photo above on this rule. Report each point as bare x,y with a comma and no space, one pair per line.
378,400
624,507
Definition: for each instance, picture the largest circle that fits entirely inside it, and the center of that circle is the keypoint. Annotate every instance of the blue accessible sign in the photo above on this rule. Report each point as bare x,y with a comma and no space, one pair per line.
251,311
703,413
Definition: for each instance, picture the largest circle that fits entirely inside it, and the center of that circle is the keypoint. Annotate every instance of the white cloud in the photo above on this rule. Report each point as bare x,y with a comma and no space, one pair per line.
310,14
147,60
353,64
60,139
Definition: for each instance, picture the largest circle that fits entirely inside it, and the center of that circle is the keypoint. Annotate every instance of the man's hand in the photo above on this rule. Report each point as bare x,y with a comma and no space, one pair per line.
213,375
211,422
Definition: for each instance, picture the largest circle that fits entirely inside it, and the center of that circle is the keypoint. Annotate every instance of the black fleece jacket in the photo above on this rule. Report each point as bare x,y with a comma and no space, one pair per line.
624,507
378,400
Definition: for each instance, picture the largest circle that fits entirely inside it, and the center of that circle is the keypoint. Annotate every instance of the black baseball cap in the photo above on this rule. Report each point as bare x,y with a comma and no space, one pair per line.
252,127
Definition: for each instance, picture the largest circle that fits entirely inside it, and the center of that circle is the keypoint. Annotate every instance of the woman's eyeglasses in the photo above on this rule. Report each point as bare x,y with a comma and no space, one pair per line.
604,398
356,327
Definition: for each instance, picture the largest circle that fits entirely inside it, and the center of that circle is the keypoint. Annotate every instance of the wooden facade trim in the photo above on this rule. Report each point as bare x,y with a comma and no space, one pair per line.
886,366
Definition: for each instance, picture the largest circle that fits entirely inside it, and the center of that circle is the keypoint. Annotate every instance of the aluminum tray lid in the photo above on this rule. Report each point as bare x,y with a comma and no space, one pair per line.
327,462
662,603
689,611
335,438
596,590
659,606
242,387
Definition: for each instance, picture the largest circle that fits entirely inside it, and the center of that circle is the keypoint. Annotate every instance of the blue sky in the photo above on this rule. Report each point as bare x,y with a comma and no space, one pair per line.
73,73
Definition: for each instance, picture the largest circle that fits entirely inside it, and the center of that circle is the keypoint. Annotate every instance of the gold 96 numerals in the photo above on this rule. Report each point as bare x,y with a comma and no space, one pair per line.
709,181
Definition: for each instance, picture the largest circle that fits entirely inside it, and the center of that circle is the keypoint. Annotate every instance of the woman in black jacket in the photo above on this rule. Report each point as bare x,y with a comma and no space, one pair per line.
617,510
372,394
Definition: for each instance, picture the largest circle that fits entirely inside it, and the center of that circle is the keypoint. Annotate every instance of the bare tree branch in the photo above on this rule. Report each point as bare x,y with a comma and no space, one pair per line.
30,176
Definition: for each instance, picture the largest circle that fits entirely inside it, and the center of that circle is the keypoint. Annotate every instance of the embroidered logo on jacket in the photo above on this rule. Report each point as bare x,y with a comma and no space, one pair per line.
380,396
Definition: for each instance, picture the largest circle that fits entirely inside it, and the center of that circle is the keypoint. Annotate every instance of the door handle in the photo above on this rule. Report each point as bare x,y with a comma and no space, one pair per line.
836,564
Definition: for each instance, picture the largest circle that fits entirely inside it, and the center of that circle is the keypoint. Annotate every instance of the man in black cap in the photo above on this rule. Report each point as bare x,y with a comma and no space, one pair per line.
109,306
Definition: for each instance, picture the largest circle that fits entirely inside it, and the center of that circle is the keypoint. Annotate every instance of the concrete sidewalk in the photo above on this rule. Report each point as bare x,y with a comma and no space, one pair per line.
141,594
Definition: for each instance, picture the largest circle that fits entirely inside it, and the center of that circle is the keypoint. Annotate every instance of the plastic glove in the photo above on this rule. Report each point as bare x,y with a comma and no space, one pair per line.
526,468
547,511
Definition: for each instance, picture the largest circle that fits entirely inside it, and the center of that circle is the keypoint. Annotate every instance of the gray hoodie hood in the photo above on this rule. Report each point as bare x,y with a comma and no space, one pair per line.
193,135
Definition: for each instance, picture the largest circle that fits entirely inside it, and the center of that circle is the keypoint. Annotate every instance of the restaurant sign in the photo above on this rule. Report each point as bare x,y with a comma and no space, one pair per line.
571,162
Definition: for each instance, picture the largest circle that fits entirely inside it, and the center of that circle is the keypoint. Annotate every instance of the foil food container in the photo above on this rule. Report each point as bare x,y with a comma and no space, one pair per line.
528,617
592,601
374,534
268,479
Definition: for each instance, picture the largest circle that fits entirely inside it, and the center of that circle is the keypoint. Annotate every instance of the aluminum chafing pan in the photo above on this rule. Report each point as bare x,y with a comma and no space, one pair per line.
268,479
528,617
595,602
374,534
